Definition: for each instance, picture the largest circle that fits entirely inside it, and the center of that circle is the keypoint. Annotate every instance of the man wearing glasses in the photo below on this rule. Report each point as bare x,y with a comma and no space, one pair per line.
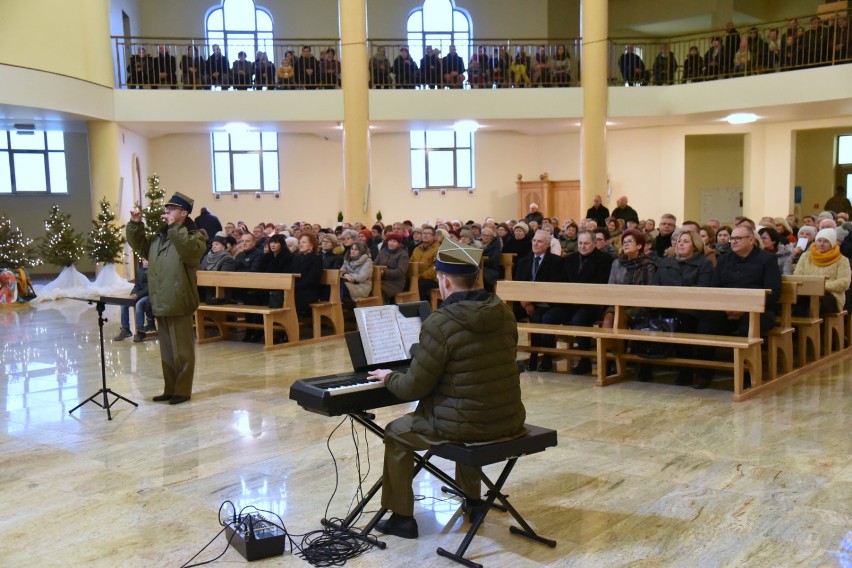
747,267
173,254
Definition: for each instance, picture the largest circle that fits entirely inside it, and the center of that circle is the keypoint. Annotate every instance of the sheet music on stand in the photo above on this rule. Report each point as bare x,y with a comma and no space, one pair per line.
386,334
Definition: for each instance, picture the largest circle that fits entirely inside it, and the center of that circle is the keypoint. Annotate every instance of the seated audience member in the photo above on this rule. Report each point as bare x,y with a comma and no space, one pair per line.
492,251
631,66
466,238
560,67
366,236
693,66
824,258
331,252
743,63
539,266
241,72
405,70
746,266
615,229
568,238
663,240
555,247
380,69
217,259
499,70
425,255
688,266
356,272
165,69
393,258
519,243
773,245
723,240
650,228
504,233
708,237
807,234
453,68
308,265
465,374
586,266
144,315
279,258
249,259
603,244
715,60
475,72
785,231
632,267
665,66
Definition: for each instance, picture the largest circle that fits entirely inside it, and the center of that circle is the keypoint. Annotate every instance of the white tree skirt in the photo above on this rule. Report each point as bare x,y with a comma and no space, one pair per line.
109,283
69,284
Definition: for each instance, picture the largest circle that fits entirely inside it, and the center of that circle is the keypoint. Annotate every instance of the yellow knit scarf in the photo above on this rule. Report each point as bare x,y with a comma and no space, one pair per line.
825,258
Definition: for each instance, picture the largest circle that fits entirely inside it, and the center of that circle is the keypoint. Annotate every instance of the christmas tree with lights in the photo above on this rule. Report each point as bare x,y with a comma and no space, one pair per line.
152,214
60,245
106,240
16,251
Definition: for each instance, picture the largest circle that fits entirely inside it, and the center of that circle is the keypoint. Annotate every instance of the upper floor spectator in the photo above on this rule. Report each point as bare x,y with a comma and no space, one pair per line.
632,66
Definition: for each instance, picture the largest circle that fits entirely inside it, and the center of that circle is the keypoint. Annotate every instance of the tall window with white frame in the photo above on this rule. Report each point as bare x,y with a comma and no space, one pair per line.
441,159
439,23
240,25
844,163
32,162
245,161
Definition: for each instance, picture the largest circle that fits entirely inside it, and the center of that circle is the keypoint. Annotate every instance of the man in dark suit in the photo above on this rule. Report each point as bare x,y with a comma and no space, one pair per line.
586,266
598,212
540,266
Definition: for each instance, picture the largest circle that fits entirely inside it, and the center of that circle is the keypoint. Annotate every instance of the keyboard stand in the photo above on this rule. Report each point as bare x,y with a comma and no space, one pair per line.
421,462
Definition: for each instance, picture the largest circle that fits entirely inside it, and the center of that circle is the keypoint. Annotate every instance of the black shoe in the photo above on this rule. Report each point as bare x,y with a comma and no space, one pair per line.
546,364
139,337
646,373
123,333
177,399
584,367
398,525
162,398
532,362
475,508
684,377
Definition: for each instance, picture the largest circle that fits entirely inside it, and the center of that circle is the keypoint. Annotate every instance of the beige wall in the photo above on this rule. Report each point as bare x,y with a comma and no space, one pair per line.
712,162
815,161
69,38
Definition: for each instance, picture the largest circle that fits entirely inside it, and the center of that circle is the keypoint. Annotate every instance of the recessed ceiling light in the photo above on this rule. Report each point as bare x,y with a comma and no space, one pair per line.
740,118
236,127
466,126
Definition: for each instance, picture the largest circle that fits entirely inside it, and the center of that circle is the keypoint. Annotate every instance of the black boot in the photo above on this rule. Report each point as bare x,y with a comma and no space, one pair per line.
398,525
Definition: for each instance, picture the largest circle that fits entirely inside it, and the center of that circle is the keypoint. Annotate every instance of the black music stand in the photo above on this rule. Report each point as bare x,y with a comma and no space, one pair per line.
100,306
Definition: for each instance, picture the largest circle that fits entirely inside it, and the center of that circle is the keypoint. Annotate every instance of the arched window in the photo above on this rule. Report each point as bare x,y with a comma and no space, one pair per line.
439,24
240,25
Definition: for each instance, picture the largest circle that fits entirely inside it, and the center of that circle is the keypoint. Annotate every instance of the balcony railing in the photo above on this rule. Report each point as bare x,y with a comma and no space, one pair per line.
192,63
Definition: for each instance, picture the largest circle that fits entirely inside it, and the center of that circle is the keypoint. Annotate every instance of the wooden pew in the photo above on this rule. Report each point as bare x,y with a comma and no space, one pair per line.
780,338
331,309
611,343
375,297
507,260
435,294
808,327
413,293
223,316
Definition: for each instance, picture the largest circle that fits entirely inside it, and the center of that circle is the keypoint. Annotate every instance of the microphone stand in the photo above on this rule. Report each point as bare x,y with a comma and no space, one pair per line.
100,306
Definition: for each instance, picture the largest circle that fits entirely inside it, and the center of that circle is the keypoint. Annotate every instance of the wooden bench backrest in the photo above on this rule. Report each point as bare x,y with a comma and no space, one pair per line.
813,286
786,301
331,278
506,261
664,297
254,280
377,282
413,274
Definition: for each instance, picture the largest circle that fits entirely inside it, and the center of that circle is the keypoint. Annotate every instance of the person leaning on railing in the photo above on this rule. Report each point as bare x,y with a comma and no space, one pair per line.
380,70
241,72
139,69
218,69
560,67
405,69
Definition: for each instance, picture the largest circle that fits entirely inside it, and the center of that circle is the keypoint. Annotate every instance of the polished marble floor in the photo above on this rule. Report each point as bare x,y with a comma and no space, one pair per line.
645,474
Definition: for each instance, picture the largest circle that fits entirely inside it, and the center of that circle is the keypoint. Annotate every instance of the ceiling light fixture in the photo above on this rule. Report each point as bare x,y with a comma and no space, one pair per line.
466,126
741,118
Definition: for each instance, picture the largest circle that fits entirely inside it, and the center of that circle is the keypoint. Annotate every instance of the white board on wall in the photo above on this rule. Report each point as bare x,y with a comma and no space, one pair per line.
721,203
